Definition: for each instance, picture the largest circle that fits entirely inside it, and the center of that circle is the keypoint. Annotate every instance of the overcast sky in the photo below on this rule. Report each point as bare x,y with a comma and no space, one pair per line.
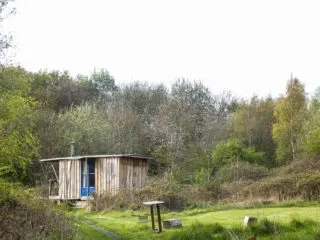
244,46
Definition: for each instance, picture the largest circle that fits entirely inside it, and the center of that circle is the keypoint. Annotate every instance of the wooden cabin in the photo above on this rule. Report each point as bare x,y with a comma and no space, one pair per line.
79,177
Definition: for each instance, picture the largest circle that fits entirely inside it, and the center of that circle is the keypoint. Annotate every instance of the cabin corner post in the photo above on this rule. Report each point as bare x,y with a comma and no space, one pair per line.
118,175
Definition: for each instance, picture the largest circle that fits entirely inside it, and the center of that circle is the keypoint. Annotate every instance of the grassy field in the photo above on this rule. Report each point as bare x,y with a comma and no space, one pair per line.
87,232
282,223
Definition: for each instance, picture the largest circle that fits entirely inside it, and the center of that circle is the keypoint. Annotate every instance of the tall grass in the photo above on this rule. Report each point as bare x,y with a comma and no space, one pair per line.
264,229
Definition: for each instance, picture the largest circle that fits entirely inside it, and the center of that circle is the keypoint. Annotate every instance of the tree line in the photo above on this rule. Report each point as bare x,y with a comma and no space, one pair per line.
190,131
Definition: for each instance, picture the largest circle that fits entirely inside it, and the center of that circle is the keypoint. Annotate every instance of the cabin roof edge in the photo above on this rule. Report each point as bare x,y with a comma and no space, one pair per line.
140,156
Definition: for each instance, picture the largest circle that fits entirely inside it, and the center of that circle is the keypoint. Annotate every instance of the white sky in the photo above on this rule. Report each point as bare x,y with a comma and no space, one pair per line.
244,46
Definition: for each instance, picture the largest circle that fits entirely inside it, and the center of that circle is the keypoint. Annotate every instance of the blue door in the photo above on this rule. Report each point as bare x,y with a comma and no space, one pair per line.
87,177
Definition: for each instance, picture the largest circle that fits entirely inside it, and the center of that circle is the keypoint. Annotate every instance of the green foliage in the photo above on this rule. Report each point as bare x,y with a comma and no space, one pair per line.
252,156
103,82
289,115
143,99
202,176
185,128
128,133
241,171
233,150
252,124
14,81
44,111
192,102
309,185
311,129
59,90
18,145
297,223
196,158
312,146
87,126
226,152
162,190
285,187
23,215
265,227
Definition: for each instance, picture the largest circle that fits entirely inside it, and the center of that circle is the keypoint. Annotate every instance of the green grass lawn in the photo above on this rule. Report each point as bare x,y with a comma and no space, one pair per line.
126,225
86,232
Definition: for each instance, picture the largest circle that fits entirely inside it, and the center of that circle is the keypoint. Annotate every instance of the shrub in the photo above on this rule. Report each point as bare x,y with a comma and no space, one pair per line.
309,185
296,223
305,186
175,196
23,215
265,227
231,150
301,166
133,198
242,171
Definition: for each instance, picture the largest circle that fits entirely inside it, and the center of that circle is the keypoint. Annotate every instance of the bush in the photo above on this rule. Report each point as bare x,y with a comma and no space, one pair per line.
300,166
133,198
309,186
229,151
175,196
305,186
23,215
242,171
265,227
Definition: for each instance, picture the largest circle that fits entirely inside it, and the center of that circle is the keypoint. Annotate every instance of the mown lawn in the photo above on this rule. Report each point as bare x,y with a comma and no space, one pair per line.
284,223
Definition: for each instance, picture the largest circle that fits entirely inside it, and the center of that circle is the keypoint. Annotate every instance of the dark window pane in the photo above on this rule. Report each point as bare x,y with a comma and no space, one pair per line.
91,164
91,180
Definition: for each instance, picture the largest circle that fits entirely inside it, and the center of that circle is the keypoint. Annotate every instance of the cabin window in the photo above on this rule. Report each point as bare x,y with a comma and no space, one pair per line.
87,176
91,165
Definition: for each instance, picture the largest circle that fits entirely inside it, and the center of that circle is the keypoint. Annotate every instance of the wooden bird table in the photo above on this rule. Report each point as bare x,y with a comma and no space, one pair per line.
157,204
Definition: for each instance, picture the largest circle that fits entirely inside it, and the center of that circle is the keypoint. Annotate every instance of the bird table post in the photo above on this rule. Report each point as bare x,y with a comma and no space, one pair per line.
157,204
159,218
152,217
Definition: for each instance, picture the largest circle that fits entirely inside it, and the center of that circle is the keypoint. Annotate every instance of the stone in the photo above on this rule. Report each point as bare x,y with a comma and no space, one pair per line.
249,220
172,223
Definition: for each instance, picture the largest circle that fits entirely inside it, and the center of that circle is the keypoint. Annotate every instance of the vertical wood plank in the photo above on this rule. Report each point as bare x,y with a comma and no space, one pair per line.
96,172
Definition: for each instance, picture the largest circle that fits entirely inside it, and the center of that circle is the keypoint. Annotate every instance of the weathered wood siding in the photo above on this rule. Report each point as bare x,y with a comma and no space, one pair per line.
107,175
133,172
69,179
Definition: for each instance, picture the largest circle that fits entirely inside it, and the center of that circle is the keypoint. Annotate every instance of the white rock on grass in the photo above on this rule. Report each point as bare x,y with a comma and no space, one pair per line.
249,220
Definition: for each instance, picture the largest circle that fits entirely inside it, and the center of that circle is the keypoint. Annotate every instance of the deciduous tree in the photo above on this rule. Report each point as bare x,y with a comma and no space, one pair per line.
289,114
